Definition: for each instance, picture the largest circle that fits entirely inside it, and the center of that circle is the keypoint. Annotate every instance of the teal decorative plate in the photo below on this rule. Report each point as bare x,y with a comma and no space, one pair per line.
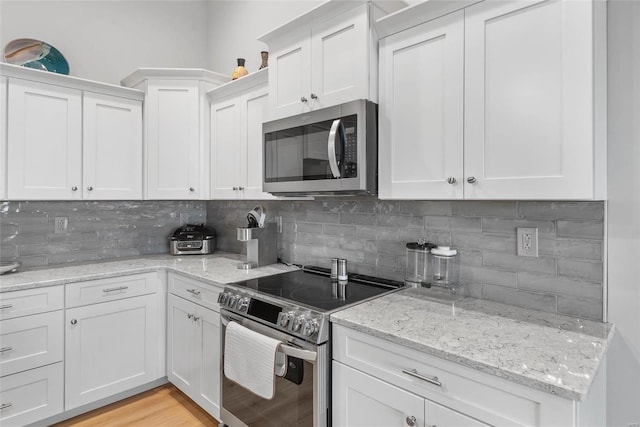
35,54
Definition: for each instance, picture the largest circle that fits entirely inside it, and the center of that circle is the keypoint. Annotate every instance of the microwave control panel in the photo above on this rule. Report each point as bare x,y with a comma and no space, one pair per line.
350,152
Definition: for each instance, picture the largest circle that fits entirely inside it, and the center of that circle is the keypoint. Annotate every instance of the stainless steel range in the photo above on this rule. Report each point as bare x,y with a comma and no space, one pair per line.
293,308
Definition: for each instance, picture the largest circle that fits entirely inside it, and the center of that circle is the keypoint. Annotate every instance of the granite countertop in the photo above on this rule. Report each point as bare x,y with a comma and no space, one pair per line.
548,352
219,268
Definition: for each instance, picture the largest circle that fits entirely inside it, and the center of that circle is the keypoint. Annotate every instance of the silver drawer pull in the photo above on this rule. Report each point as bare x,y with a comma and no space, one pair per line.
119,288
194,292
5,405
3,307
414,373
3,349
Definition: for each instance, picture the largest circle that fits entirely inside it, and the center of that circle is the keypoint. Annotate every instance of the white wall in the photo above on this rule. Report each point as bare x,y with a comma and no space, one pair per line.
107,40
623,360
235,25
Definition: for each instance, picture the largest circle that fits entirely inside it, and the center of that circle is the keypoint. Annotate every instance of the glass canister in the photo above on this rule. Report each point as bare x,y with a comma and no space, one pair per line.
418,260
445,268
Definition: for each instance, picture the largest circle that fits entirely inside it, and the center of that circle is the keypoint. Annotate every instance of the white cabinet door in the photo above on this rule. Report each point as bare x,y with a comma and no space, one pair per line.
193,352
421,111
182,357
290,76
30,396
208,353
529,102
111,347
339,59
360,400
441,416
226,150
112,148
172,140
3,137
44,141
254,107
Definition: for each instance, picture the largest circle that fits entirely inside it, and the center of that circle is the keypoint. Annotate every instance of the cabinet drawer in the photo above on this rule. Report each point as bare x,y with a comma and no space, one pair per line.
31,395
31,301
31,341
113,288
193,290
477,394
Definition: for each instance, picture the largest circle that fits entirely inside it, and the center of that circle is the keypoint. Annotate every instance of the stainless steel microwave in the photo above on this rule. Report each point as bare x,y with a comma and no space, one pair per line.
331,151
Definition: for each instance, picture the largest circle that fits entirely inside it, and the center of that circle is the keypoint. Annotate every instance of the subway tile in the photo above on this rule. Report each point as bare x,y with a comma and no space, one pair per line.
36,227
571,268
484,208
388,247
561,210
516,263
423,208
401,221
367,232
490,276
508,226
340,230
33,261
581,229
470,257
25,239
570,248
8,253
520,298
492,242
452,223
304,227
313,239
580,307
358,219
560,286
76,256
387,233
437,237
322,217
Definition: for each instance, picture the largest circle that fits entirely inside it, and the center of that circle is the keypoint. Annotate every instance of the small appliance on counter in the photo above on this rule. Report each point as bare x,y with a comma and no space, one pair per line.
193,239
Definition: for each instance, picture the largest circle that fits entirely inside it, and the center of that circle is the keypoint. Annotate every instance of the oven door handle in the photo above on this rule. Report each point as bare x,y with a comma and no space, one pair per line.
334,134
298,352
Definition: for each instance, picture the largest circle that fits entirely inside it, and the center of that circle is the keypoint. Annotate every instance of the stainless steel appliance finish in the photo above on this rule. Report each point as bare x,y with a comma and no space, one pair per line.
261,244
192,239
332,151
293,307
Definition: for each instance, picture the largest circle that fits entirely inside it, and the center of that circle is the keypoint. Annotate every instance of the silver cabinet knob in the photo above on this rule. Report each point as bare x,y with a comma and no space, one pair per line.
235,188
451,180
189,316
195,318
241,188
314,96
74,188
192,189
89,188
411,421
74,321
472,180
303,99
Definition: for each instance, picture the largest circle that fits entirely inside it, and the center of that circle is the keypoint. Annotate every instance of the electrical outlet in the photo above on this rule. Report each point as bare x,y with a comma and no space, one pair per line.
61,224
527,241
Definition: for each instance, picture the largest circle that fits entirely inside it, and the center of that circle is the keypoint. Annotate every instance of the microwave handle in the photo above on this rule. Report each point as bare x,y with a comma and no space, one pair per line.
334,134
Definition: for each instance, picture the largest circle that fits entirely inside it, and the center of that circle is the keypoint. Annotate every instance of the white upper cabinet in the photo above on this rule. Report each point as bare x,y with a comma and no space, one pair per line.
421,111
112,150
237,112
3,137
44,141
325,57
177,131
533,120
71,139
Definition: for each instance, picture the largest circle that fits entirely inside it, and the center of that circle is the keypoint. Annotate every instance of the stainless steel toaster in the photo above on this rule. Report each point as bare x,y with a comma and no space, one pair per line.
193,239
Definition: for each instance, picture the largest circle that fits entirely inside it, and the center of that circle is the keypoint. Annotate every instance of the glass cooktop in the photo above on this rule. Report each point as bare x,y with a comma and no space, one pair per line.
312,287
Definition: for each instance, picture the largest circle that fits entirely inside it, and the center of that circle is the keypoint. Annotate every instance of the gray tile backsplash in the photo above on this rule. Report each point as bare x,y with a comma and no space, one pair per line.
566,278
96,230
371,234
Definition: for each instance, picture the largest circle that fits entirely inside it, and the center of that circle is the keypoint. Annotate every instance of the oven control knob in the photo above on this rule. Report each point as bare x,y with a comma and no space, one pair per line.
309,328
297,323
243,304
285,318
231,302
222,298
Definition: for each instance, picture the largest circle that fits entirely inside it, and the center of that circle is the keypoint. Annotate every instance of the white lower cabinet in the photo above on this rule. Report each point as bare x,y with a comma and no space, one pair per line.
367,401
378,382
32,395
112,346
193,352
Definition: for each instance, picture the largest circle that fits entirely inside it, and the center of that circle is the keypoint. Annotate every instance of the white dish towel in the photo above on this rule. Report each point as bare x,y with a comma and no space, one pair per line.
250,359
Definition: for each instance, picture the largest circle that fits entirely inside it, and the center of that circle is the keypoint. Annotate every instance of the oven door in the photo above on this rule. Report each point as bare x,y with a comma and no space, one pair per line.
301,397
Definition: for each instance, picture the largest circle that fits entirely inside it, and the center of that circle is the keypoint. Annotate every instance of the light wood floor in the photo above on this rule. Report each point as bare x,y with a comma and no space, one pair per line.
161,406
